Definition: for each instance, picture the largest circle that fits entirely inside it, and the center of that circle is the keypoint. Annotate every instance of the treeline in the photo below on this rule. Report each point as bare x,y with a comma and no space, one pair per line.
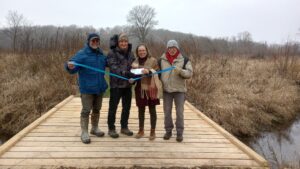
31,39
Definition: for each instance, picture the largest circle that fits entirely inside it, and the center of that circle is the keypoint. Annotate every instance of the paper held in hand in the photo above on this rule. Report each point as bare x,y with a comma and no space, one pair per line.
137,71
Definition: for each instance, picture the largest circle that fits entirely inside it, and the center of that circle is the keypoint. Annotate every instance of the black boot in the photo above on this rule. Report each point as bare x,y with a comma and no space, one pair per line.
168,135
126,131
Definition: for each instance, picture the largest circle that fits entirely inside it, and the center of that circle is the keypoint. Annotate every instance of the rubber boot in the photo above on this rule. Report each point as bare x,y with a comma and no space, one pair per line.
95,129
84,123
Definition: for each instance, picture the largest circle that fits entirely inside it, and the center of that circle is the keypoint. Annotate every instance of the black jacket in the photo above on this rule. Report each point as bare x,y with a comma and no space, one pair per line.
119,62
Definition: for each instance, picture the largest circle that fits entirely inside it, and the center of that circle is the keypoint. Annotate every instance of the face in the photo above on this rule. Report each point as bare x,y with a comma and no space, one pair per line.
123,44
142,52
94,43
172,51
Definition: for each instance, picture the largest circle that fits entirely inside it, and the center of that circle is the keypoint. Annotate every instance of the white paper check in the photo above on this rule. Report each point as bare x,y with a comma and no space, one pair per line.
137,71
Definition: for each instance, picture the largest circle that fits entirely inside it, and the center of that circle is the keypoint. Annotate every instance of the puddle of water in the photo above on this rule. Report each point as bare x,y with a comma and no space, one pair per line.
280,149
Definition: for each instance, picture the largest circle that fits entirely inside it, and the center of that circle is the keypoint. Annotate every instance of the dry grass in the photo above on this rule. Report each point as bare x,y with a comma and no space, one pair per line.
246,96
30,85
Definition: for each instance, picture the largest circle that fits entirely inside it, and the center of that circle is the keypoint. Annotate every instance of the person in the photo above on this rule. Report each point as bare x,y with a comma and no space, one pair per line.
119,60
146,89
92,84
174,87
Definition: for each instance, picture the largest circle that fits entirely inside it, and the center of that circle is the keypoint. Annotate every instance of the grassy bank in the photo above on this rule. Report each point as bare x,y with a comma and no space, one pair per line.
247,96
29,86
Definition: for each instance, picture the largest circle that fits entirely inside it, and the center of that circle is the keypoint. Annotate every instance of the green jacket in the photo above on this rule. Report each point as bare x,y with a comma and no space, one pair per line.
173,81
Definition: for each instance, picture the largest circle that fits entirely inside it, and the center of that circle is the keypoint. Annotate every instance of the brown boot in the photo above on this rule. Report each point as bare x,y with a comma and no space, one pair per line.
152,134
140,134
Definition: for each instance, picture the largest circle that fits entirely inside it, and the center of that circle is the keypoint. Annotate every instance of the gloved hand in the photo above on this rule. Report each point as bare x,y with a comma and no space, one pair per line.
131,80
177,69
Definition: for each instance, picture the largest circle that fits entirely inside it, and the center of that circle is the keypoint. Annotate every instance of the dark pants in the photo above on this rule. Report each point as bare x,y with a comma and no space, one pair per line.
91,102
152,112
115,95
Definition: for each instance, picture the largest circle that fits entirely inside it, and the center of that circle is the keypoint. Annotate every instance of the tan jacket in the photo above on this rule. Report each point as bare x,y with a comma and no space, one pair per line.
173,81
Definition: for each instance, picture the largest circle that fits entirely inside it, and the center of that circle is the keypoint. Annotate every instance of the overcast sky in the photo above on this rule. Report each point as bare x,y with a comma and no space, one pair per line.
274,21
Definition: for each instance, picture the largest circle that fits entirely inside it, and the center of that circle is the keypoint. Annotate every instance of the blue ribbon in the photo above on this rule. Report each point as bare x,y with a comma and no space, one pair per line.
99,70
118,76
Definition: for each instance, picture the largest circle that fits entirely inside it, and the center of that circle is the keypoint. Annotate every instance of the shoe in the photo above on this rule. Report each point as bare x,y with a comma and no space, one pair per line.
140,134
152,134
113,134
179,138
168,135
126,131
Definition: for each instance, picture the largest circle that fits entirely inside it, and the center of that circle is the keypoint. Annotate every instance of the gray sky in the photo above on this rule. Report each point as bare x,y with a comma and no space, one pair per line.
274,21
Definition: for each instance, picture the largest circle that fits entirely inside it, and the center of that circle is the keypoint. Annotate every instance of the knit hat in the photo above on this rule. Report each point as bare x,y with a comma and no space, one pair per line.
123,36
92,36
172,43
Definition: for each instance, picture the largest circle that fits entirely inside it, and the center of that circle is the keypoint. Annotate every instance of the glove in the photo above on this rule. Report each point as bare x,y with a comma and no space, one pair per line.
131,80
177,70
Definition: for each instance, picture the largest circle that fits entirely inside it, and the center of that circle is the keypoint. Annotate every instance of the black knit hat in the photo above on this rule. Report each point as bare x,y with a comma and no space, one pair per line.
92,36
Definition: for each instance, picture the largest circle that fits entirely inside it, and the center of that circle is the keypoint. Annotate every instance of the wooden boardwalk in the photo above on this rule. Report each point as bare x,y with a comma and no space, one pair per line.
54,140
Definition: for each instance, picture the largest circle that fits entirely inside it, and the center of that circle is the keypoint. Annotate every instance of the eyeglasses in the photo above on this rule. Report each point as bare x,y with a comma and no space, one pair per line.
96,40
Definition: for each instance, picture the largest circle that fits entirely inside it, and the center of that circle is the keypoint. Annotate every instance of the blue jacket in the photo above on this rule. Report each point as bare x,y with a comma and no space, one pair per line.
90,81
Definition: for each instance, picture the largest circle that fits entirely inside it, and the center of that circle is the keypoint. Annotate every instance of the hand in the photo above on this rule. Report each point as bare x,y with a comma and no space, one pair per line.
145,71
131,80
178,69
135,65
71,65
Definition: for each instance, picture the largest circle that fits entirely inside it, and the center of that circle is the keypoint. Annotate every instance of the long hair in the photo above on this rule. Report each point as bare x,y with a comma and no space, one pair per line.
142,44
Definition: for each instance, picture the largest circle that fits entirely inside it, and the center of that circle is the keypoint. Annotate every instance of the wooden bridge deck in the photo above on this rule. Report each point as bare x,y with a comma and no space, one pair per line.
54,140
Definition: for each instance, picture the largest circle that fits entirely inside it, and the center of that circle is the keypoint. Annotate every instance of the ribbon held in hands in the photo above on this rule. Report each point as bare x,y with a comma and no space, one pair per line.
118,76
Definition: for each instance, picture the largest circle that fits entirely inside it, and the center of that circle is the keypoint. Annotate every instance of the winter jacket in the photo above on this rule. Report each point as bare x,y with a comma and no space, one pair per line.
119,62
89,81
173,81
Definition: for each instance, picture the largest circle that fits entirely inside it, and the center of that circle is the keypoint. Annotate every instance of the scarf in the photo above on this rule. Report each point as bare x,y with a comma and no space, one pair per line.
172,58
150,86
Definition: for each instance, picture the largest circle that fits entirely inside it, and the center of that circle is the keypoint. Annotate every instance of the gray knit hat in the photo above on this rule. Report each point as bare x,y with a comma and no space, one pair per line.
172,43
123,36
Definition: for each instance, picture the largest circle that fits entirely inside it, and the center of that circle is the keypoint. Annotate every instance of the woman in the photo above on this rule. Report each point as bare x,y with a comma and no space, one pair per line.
174,87
146,89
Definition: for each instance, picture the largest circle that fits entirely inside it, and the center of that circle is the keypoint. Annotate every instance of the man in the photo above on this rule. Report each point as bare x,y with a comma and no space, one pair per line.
119,61
174,87
92,84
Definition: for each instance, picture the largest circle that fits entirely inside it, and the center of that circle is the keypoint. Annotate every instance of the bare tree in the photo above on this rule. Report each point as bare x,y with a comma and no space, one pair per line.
14,21
141,18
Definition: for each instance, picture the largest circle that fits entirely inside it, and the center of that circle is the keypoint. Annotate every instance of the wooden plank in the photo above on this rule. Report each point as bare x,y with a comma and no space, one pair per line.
234,140
127,161
7,145
132,143
187,134
155,155
134,128
126,149
125,139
